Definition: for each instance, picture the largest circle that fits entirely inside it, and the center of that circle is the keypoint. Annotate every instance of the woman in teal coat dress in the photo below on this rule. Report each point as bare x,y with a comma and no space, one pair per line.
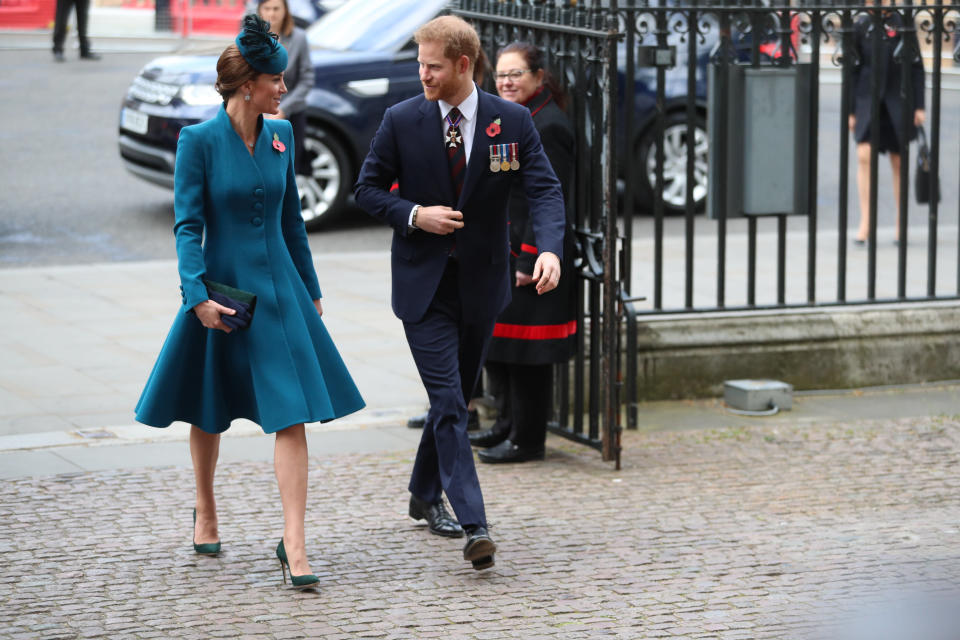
238,222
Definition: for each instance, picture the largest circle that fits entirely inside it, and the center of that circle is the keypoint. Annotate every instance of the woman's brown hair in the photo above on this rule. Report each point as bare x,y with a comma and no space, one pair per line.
232,72
286,27
533,56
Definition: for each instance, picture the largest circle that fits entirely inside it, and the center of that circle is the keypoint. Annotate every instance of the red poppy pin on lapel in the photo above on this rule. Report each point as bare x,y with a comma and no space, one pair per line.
279,146
494,129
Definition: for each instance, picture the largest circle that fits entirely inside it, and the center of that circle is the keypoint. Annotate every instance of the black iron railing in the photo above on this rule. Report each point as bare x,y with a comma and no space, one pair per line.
638,74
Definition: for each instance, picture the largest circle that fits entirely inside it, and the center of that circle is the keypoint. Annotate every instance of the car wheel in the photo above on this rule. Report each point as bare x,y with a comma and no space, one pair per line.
323,193
674,165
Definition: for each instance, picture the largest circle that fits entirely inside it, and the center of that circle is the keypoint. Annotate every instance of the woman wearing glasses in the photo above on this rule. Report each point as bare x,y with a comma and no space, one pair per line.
534,332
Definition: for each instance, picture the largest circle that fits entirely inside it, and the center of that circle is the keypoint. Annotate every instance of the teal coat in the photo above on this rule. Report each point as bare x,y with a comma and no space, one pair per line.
238,222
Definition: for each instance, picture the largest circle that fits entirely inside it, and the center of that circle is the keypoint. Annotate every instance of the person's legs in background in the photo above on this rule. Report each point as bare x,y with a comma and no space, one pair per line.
62,17
530,388
498,384
863,190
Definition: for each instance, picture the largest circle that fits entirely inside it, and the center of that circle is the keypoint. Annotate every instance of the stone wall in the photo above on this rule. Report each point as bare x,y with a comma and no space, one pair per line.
690,355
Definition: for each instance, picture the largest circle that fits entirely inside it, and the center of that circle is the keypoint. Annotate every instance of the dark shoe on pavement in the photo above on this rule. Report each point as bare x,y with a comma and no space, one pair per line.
89,55
439,520
507,451
473,421
479,549
58,56
490,437
417,422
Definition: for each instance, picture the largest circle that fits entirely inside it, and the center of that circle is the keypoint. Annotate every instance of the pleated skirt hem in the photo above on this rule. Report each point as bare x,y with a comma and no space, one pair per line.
163,423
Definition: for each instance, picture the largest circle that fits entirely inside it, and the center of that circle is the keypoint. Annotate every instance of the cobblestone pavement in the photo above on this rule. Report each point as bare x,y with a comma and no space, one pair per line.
766,531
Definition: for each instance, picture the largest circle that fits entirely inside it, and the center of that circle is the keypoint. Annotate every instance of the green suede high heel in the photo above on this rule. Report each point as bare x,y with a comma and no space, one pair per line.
207,548
306,581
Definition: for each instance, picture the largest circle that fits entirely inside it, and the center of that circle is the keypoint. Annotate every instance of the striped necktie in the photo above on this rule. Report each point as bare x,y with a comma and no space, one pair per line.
456,153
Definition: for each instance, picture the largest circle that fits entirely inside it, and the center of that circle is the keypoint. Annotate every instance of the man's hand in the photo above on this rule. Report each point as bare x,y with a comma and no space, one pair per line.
439,220
852,122
546,272
919,117
209,313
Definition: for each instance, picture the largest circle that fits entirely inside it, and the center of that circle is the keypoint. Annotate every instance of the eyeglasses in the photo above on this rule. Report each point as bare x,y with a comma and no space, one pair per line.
513,74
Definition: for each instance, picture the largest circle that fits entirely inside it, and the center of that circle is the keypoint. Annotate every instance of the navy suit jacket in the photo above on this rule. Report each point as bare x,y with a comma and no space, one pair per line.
409,148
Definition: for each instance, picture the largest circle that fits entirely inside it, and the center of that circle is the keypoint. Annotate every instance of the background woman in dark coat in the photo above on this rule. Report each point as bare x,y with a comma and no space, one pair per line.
534,332
893,138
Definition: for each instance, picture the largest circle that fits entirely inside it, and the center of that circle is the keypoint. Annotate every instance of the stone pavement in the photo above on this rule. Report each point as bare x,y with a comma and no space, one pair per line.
762,530
718,526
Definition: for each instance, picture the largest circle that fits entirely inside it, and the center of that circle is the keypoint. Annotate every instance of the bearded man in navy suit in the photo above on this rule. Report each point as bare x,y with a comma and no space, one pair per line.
455,151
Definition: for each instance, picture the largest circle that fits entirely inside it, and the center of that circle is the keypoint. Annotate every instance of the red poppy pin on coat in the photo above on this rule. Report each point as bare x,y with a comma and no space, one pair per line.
494,129
279,146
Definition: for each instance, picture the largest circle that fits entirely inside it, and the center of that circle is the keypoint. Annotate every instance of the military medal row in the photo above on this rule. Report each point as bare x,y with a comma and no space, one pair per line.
504,157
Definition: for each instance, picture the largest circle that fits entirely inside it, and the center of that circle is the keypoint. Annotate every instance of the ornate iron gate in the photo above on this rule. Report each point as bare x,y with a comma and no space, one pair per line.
580,49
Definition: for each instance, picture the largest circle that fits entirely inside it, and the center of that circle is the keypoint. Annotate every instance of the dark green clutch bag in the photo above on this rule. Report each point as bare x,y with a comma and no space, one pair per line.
243,302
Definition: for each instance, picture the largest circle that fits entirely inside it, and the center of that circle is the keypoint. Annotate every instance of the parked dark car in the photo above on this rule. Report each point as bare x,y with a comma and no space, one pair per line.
365,61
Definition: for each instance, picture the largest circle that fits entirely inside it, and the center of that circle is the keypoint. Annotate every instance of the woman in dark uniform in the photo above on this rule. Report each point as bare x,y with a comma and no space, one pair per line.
534,332
893,138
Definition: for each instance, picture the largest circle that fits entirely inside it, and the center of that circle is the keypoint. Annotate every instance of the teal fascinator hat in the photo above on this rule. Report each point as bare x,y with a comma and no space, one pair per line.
259,47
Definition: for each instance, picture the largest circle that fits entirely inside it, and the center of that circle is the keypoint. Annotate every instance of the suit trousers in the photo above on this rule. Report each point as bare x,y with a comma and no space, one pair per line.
62,17
448,349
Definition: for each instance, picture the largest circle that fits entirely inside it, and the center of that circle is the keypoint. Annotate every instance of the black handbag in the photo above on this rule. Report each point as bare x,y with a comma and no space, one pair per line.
921,176
243,302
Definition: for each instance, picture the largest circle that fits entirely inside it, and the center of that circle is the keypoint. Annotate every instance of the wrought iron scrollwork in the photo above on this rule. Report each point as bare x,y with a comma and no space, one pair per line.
909,47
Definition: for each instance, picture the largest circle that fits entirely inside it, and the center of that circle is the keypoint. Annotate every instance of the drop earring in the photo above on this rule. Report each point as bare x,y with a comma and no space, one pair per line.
247,97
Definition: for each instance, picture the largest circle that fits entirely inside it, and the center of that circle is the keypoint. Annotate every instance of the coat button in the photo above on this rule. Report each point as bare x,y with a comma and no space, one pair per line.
258,192
256,221
258,206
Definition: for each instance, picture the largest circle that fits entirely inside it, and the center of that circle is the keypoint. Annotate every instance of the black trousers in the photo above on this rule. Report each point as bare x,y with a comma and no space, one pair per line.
522,399
63,17
448,349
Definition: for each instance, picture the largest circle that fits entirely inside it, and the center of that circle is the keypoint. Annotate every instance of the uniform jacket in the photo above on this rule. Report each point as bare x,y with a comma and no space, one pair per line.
541,329
408,147
889,89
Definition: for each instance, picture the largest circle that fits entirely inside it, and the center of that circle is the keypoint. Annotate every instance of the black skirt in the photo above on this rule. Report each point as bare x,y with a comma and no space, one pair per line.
888,134
537,329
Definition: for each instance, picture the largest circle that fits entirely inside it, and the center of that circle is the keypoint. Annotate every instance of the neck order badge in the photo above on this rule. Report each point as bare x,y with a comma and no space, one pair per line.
455,151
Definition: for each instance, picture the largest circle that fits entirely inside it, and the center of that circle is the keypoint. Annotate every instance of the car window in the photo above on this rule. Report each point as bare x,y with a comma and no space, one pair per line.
372,25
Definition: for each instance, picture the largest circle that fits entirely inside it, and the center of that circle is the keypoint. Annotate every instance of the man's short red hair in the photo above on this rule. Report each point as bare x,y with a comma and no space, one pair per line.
456,35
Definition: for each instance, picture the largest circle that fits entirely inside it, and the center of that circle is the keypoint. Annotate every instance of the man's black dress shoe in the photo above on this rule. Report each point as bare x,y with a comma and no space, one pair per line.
507,451
479,549
439,520
58,56
473,420
490,437
89,55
